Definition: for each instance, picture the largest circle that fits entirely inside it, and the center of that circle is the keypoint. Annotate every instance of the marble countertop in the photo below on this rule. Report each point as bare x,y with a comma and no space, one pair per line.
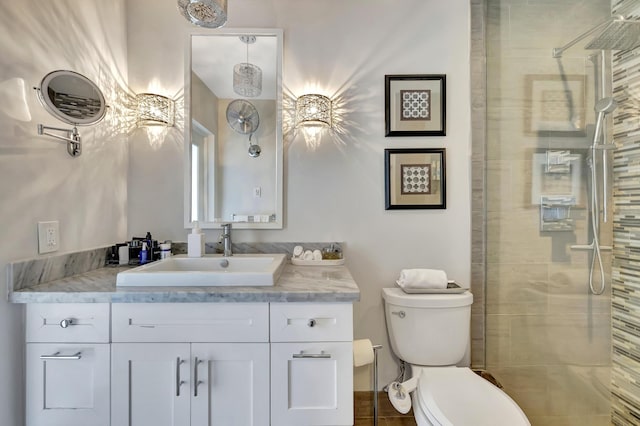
296,284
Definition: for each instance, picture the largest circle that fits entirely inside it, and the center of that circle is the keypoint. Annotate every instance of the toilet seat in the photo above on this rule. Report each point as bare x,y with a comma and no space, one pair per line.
456,396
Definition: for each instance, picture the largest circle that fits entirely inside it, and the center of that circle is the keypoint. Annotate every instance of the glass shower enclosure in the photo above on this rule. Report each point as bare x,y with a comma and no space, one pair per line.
547,333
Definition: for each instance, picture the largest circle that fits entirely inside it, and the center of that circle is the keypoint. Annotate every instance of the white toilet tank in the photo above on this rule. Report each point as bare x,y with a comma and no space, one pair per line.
428,329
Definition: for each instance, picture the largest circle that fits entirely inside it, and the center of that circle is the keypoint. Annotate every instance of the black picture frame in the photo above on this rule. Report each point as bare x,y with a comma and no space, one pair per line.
415,105
415,178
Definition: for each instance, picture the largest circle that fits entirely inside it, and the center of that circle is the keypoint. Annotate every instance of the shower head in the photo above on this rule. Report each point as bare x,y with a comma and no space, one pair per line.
618,34
605,105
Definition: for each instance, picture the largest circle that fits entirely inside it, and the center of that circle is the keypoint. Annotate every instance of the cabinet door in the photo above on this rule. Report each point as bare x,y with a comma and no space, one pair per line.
150,384
230,384
312,383
67,384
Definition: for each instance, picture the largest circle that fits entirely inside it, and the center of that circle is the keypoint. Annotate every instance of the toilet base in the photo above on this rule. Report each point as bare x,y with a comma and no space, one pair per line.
420,416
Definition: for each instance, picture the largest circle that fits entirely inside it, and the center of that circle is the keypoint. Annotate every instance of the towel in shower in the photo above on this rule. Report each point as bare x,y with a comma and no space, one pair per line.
422,278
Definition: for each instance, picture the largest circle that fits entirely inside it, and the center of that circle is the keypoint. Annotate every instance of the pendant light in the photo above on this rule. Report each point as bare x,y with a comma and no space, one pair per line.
204,13
247,77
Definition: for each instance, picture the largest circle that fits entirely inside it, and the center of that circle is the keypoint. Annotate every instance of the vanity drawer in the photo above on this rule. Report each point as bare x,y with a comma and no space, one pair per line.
68,322
308,322
190,322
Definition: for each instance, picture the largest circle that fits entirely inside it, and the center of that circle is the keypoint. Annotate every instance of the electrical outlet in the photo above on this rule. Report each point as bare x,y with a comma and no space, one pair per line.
257,192
48,236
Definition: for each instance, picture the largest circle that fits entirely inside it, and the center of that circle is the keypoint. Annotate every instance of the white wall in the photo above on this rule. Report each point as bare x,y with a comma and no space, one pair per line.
342,49
38,179
334,192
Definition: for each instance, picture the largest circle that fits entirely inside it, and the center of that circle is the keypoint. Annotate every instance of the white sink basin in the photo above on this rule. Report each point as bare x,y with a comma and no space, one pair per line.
212,270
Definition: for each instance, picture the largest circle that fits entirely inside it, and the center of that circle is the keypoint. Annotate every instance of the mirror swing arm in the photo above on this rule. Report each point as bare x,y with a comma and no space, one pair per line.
73,99
73,139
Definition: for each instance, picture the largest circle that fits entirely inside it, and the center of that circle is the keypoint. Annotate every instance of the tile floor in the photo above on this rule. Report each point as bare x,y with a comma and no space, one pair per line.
387,415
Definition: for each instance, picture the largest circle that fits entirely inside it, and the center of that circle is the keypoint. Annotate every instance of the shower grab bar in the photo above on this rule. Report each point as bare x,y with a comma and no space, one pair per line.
605,184
558,51
605,173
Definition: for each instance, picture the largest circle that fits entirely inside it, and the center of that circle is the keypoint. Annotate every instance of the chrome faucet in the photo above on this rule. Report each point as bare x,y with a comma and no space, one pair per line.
225,239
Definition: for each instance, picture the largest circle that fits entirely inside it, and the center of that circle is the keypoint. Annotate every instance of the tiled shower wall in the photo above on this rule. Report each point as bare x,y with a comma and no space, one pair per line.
626,264
478,123
547,339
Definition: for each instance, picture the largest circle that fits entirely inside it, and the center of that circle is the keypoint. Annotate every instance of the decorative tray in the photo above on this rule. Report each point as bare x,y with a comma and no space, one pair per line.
327,262
452,288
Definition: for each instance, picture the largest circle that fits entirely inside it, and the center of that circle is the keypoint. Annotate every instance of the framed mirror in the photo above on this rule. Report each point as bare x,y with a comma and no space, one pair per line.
233,129
72,98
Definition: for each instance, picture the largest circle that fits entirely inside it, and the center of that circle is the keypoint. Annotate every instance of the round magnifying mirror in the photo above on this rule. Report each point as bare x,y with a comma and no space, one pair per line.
72,98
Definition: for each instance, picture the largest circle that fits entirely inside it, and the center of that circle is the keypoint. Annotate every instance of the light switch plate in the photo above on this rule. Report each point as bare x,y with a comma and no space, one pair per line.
48,236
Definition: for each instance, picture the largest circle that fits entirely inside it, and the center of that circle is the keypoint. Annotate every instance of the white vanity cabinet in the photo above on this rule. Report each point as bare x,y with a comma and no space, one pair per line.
67,364
311,364
199,364
181,364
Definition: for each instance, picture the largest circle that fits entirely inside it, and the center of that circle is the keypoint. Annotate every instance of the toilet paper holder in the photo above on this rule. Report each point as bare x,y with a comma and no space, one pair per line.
363,351
376,348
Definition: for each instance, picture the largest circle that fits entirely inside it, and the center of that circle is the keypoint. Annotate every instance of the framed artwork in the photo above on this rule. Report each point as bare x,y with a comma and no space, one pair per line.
556,105
415,105
415,178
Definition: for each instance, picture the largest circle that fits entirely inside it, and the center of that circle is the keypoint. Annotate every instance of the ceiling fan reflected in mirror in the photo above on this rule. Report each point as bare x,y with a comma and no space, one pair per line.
243,118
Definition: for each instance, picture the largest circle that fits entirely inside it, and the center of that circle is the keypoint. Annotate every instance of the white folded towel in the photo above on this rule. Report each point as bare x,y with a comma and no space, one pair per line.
298,251
317,255
422,278
308,255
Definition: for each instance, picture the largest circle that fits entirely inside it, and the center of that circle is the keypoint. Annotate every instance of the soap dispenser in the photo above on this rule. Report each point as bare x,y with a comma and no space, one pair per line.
144,253
195,242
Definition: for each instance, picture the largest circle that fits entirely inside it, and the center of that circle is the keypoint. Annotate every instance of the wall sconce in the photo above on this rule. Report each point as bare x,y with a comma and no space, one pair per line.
313,110
204,13
154,110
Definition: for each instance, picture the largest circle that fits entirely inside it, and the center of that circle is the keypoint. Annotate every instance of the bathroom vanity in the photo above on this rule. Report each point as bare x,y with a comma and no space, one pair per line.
98,355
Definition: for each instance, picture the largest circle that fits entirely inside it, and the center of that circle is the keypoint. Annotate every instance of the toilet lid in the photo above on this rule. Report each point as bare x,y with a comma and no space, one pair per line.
458,397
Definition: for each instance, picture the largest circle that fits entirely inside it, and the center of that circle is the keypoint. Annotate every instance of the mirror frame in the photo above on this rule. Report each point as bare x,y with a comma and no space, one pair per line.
279,168
53,110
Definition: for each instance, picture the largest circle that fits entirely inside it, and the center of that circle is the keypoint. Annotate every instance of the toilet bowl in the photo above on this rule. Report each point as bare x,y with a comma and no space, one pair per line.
456,396
431,333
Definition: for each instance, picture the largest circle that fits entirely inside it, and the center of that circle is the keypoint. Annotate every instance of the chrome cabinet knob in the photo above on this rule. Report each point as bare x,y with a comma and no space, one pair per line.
66,322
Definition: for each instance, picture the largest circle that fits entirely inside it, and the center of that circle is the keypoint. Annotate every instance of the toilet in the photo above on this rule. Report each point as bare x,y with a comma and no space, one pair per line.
431,333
